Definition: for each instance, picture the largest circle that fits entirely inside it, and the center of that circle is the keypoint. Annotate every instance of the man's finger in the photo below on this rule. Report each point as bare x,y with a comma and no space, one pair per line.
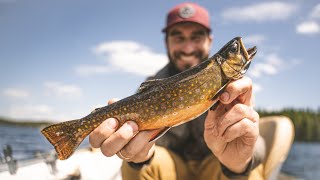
103,132
113,100
241,128
119,139
137,144
235,114
241,89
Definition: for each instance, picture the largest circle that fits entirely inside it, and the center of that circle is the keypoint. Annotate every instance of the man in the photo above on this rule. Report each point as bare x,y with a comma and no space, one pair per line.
221,144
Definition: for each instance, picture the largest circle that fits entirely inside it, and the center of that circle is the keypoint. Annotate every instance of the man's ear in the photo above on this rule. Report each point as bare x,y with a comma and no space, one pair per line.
211,40
166,40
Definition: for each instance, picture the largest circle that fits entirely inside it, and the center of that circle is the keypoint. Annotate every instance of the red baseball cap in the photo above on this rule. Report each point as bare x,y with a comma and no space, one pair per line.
188,12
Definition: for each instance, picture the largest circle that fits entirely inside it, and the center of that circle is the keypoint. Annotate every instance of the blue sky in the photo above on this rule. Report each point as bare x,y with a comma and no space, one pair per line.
61,59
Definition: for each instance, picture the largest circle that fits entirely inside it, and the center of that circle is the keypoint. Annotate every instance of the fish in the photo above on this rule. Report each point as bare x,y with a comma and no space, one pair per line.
161,103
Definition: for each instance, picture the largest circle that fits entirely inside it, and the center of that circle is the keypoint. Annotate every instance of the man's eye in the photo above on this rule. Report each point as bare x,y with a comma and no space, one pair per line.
179,39
196,39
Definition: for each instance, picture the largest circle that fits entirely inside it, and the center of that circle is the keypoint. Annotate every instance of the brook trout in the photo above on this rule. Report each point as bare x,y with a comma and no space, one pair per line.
161,103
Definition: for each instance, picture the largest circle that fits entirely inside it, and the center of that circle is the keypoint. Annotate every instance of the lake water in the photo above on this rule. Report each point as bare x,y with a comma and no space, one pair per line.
25,141
303,161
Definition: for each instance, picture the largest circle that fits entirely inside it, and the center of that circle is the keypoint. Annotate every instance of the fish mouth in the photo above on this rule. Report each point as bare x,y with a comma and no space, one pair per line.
248,53
251,53
246,56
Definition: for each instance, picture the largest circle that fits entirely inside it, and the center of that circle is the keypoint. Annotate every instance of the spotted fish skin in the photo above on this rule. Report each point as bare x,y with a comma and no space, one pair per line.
161,103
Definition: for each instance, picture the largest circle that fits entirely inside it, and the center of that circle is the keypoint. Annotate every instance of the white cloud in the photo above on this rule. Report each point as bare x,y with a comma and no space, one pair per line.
63,90
127,56
274,60
308,27
315,13
270,66
267,11
34,112
262,68
131,57
311,25
16,93
254,39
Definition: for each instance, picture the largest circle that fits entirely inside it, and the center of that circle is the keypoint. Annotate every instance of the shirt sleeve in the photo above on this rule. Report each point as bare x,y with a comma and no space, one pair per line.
138,166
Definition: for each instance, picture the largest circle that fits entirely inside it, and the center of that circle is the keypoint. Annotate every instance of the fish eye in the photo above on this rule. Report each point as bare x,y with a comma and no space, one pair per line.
234,47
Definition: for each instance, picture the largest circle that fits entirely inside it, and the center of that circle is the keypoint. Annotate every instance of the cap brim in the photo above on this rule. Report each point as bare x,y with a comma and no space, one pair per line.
164,30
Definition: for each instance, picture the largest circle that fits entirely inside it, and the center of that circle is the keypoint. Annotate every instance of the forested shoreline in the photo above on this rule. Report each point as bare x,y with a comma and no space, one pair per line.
306,122
26,123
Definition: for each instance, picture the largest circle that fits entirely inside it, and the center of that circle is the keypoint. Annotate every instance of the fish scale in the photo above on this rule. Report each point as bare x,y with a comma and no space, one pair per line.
162,103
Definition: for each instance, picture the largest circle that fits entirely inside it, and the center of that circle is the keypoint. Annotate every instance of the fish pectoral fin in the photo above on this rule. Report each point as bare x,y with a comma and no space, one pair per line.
148,84
219,92
159,133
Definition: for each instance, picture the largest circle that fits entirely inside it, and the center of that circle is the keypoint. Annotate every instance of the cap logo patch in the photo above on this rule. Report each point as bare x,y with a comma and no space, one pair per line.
187,11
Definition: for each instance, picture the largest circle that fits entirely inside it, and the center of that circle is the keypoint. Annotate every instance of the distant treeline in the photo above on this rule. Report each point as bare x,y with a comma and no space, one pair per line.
306,122
28,123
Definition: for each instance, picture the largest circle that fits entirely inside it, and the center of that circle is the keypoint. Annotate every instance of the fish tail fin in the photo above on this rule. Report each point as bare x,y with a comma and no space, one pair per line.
65,137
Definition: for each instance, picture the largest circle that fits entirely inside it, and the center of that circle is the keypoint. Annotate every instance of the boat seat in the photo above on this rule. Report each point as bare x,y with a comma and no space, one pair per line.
278,133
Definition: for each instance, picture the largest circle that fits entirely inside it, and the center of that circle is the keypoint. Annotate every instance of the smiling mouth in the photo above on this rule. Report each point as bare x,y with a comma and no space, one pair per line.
187,58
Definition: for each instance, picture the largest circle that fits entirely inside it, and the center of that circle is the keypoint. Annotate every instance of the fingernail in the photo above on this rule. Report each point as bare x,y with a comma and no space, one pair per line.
224,96
132,126
112,123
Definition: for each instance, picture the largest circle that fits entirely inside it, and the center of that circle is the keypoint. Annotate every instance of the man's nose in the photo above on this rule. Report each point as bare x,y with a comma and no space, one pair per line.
188,47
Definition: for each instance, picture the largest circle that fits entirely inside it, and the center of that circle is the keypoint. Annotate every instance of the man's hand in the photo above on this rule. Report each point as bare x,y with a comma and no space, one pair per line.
231,130
127,142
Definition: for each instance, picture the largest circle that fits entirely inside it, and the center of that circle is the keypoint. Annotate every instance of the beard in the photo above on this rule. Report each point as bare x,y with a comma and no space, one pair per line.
199,55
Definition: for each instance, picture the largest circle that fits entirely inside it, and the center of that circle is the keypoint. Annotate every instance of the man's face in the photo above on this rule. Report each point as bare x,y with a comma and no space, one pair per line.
188,44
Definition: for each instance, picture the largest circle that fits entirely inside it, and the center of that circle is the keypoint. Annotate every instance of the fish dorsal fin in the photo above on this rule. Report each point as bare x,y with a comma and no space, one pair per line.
149,84
95,110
